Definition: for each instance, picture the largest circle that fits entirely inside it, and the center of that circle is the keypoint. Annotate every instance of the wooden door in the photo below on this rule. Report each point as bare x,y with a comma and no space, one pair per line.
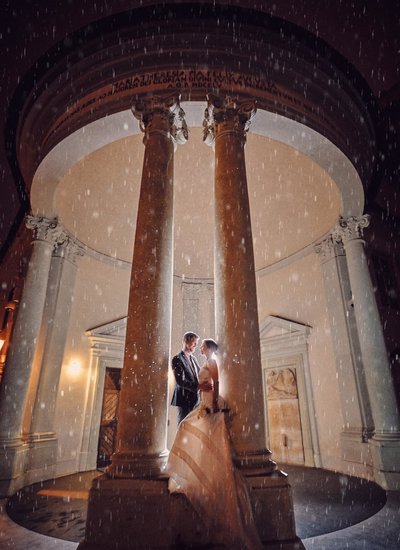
108,423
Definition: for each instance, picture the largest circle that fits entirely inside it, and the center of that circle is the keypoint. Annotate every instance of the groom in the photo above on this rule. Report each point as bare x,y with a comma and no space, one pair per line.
186,372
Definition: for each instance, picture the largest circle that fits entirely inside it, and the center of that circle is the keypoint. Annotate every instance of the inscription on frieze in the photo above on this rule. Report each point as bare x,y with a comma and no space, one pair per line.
186,80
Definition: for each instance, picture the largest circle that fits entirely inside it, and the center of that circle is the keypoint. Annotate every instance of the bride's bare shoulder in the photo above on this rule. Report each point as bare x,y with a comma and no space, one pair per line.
212,364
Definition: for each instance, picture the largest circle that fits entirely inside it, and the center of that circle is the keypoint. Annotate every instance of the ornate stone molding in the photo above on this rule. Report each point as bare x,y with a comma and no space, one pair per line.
162,115
68,248
329,248
44,229
225,114
350,228
53,232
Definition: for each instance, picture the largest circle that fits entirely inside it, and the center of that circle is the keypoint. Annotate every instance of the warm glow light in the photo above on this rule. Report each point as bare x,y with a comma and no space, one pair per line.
74,369
1,344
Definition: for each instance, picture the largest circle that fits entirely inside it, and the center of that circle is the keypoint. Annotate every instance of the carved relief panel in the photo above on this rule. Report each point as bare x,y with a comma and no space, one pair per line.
291,429
286,439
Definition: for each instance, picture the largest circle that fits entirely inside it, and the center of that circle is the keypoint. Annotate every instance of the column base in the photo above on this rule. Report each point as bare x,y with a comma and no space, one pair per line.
41,457
255,463
355,447
142,510
385,451
134,466
12,464
123,512
271,496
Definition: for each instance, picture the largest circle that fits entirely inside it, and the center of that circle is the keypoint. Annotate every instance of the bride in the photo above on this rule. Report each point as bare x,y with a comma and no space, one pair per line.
200,466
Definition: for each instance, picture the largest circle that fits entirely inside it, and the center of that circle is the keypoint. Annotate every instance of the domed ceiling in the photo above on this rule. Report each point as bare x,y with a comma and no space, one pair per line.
293,201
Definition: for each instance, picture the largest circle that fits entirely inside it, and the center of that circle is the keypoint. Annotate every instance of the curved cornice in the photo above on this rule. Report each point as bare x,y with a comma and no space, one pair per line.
194,49
119,125
96,135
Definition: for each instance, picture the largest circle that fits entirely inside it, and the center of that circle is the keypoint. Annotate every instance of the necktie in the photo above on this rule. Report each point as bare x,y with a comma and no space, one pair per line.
193,366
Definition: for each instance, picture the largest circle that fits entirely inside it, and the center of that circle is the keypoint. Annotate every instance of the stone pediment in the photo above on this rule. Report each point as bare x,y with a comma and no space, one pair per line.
276,331
114,328
108,340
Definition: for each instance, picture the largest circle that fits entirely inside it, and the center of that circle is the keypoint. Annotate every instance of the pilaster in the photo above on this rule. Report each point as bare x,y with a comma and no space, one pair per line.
41,435
19,374
356,410
385,443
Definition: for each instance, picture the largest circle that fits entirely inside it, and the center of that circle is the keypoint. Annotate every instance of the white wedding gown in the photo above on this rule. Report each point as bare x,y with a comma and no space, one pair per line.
200,466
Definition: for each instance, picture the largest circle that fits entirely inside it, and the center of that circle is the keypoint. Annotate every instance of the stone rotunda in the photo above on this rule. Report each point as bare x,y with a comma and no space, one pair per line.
194,167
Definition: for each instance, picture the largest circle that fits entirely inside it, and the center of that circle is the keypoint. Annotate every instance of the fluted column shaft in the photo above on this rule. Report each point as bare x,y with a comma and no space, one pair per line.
236,311
17,374
373,350
142,414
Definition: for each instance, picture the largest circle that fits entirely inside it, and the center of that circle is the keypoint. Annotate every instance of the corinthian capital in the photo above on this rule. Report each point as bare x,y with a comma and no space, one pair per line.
68,248
162,115
227,114
44,229
350,228
329,248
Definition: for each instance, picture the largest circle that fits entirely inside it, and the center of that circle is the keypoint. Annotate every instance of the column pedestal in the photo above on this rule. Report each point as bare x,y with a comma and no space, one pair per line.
386,461
150,516
154,518
41,457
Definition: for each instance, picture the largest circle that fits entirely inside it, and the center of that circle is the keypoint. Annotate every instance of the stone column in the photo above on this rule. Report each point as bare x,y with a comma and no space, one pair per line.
357,416
54,329
18,371
379,381
142,417
236,313
236,319
131,501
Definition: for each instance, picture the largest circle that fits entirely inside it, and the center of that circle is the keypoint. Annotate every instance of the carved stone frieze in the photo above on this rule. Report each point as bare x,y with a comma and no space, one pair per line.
227,114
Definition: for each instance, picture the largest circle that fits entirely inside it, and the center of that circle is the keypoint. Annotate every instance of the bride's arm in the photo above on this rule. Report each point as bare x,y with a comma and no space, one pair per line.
214,375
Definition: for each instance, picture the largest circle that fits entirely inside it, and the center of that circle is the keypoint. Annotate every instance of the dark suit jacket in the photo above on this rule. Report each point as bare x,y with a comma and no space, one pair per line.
186,378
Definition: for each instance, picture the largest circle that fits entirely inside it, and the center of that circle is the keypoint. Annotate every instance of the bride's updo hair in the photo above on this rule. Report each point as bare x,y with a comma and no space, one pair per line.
210,344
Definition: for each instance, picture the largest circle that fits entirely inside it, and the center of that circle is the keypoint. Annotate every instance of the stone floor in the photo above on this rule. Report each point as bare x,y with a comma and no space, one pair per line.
333,512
